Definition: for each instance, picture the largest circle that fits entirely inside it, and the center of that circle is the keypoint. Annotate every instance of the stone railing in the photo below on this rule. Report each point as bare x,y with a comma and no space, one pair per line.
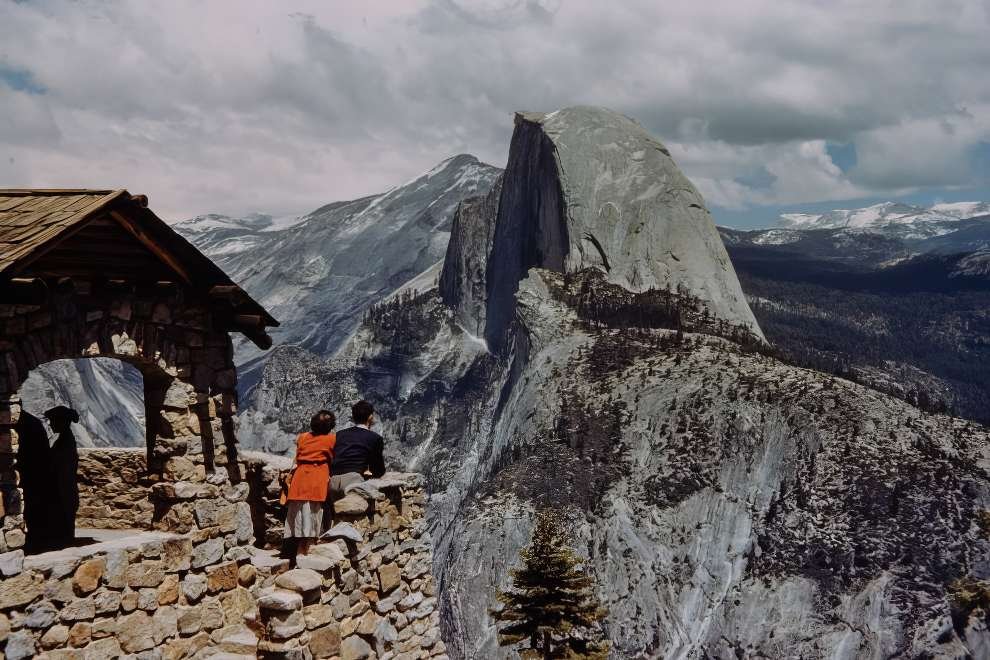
368,592
201,588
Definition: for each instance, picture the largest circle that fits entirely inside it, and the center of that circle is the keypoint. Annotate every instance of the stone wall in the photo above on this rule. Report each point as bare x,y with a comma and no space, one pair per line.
202,588
117,492
115,489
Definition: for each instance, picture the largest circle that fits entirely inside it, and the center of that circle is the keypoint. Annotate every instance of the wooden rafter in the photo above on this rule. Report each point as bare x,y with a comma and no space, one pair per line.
135,230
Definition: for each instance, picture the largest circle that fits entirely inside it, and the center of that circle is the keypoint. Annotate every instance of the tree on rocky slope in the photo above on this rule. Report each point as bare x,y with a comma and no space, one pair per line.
552,603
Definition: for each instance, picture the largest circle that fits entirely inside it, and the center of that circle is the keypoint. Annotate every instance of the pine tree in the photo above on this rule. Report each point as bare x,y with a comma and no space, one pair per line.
552,603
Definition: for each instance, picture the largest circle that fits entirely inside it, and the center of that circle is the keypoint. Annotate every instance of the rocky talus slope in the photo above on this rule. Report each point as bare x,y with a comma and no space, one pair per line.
731,505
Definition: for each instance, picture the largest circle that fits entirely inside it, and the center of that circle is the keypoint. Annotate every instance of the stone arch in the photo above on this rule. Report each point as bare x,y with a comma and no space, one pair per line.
184,356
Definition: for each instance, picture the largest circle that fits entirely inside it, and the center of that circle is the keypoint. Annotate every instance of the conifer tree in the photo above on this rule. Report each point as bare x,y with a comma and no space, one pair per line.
551,603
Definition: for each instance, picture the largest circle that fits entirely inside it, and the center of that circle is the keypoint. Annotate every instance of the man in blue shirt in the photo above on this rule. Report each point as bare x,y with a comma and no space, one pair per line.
358,449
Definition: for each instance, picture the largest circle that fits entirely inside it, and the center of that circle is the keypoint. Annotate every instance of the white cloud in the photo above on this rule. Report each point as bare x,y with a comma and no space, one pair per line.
279,107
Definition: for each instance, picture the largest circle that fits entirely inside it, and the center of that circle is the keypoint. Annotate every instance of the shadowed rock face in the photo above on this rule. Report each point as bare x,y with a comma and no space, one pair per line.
462,280
587,187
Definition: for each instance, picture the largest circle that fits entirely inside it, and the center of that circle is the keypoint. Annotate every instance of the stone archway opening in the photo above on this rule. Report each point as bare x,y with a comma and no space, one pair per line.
108,393
91,484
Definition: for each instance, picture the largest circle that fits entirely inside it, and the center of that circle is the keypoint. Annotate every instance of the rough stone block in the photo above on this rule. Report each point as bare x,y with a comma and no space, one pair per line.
20,590
285,625
189,619
193,587
115,569
351,505
246,575
103,649
80,634
106,601
390,577
176,554
299,580
104,627
55,637
212,615
147,599
355,648
280,601
236,603
315,562
134,632
168,590
40,615
325,642
145,574
222,577
208,552
11,563
164,624
129,601
20,645
88,575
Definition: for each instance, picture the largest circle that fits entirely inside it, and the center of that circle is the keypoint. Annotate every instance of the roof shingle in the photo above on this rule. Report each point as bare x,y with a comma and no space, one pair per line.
31,218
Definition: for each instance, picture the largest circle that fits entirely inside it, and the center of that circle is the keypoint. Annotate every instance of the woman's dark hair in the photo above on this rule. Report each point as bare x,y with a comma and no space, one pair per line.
361,411
322,422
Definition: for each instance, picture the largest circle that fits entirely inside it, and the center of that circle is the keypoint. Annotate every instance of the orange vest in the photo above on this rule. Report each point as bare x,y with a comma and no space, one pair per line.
314,453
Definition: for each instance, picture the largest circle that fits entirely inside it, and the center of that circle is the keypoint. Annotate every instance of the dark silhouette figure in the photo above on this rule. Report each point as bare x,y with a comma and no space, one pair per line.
65,463
34,465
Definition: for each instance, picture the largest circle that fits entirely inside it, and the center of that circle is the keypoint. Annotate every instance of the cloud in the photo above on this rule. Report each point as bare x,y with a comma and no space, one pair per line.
244,106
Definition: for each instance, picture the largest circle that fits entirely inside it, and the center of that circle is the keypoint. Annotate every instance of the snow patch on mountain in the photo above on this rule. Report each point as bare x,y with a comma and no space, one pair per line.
962,210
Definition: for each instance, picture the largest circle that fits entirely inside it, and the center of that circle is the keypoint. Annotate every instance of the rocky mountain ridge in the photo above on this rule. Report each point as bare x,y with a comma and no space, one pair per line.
732,505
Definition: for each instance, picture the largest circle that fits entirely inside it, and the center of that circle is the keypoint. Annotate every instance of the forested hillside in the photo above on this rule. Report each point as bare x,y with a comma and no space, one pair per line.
919,330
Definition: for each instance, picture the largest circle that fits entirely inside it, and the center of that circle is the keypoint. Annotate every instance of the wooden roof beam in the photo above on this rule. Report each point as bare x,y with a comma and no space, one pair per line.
260,338
139,233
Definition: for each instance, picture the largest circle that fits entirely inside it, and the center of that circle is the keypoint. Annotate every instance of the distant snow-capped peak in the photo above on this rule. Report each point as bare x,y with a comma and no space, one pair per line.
963,210
874,216
216,221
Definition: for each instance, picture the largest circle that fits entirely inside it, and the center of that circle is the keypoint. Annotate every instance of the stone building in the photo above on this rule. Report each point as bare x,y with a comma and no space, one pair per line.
186,567
95,273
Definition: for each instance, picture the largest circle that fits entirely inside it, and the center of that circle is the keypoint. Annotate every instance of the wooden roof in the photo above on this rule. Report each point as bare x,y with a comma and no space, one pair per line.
30,219
36,228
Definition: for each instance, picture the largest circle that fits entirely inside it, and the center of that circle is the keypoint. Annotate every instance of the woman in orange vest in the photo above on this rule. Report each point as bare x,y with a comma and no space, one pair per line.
308,488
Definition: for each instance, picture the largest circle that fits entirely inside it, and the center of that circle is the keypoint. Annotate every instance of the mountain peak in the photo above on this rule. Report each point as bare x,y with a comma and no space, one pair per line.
587,187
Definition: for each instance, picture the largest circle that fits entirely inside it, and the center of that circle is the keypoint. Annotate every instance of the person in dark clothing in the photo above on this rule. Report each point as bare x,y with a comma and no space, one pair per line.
358,449
34,467
65,462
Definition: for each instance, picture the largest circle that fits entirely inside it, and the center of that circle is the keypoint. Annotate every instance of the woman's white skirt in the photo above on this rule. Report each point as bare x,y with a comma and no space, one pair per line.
304,520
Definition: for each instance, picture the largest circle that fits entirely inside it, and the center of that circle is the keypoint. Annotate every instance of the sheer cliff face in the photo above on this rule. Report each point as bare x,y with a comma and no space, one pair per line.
729,504
463,278
587,187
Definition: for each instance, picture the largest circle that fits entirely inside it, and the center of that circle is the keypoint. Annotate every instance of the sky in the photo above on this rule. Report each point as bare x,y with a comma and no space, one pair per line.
280,107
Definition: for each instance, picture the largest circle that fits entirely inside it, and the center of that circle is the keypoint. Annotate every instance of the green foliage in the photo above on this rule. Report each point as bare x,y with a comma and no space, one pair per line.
552,603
